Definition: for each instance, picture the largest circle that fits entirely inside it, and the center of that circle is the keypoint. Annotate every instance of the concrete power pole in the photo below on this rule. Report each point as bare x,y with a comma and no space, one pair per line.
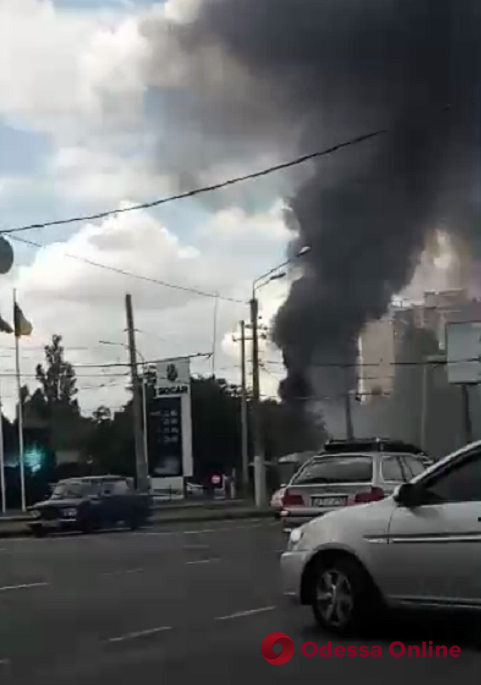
466,404
259,462
348,406
140,456
245,449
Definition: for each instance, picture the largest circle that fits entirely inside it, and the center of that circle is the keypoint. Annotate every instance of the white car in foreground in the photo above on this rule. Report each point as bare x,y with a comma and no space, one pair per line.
420,547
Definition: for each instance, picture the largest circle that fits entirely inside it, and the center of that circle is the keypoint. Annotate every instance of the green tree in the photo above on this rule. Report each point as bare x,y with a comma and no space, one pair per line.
216,429
289,428
110,444
57,378
102,415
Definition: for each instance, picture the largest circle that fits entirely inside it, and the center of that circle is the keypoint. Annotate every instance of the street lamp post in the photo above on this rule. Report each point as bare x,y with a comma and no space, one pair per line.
259,457
144,394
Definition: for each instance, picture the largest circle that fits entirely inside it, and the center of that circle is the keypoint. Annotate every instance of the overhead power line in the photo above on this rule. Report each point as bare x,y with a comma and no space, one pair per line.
202,190
115,365
361,365
130,274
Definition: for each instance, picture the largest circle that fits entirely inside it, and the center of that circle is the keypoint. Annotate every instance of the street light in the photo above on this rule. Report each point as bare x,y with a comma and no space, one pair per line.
432,360
259,461
144,392
273,275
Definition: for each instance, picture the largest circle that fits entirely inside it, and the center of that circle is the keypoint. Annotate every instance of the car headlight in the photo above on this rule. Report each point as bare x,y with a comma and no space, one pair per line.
295,537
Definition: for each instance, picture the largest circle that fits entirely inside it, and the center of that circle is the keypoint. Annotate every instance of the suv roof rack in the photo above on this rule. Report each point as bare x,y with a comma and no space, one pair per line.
372,445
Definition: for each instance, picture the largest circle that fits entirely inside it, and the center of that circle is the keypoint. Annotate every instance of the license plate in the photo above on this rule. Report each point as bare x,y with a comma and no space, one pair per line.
329,501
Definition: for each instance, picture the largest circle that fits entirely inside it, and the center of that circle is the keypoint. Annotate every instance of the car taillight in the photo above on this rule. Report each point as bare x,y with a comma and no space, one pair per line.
373,495
291,500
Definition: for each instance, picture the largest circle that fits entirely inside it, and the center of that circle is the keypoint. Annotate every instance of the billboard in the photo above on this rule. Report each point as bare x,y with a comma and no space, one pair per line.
170,441
463,342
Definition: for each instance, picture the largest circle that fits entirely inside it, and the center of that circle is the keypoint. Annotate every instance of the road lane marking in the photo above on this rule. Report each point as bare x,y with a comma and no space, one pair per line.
204,531
23,586
202,561
108,534
188,547
123,572
4,662
241,614
139,633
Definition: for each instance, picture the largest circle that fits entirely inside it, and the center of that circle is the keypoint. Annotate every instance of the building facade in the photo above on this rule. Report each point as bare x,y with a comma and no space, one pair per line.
381,341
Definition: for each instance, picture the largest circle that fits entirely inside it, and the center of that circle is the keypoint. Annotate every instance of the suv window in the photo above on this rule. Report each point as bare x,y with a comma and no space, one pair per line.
340,469
412,466
462,483
120,487
391,469
107,487
74,489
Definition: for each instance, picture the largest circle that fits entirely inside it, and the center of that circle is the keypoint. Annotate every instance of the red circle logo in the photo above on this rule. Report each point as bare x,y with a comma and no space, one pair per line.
267,648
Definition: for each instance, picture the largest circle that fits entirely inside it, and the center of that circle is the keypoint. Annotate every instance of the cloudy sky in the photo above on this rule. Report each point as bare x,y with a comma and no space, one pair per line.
81,131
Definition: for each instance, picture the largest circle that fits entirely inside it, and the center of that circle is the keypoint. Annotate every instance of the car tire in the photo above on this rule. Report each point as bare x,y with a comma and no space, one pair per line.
344,598
90,526
39,532
135,523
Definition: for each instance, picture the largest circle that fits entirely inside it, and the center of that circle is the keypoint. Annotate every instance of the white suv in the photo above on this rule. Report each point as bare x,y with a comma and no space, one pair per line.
419,547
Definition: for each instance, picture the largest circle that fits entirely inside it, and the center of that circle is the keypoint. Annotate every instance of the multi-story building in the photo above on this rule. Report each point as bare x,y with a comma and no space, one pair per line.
381,341
377,354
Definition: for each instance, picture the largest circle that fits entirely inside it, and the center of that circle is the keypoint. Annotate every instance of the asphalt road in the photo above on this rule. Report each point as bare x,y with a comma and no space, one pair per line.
182,605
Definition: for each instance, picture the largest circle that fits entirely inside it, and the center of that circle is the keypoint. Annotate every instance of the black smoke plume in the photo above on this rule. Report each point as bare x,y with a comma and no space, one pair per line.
335,69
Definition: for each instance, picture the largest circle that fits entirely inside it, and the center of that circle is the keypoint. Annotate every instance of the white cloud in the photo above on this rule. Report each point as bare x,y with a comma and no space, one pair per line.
86,304
60,69
181,10
94,175
81,77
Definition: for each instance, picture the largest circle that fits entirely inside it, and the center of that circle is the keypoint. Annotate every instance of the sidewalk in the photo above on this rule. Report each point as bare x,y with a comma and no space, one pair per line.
168,505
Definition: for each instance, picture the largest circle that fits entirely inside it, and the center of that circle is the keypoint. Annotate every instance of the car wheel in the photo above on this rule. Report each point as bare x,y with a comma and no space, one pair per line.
90,526
39,532
135,523
344,598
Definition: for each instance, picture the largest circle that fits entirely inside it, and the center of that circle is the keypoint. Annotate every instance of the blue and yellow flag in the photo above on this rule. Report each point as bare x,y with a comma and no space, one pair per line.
21,324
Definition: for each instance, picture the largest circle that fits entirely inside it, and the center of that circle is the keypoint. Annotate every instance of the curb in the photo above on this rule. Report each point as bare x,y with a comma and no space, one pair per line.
232,515
157,508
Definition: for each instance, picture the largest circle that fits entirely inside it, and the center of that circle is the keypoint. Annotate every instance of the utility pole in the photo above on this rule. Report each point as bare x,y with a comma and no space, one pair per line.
140,456
2,463
347,406
245,450
259,462
424,406
468,426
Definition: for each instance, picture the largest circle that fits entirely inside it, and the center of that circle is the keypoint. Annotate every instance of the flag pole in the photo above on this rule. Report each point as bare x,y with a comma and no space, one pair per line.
2,461
21,454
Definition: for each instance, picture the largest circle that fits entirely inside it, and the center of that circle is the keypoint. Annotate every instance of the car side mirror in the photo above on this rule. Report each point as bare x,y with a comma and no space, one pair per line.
407,495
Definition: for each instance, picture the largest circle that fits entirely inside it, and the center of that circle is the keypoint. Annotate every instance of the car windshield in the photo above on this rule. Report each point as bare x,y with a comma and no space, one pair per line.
72,490
336,469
